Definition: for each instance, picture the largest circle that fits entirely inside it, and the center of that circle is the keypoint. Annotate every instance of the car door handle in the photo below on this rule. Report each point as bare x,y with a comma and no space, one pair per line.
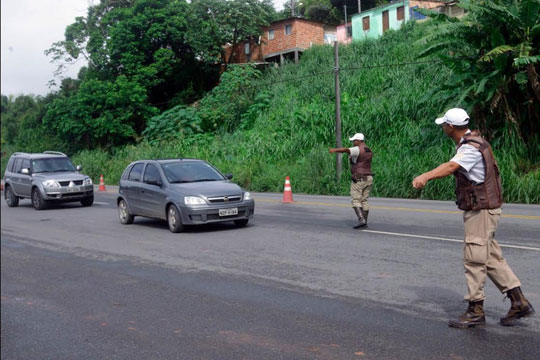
142,191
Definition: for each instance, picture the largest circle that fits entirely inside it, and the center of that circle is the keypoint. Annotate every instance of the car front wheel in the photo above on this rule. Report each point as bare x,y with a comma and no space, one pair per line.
123,213
11,199
37,200
174,220
88,201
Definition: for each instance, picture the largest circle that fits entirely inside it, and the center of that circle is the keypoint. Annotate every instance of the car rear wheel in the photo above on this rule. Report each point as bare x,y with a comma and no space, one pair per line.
123,213
174,220
88,201
241,222
11,199
37,200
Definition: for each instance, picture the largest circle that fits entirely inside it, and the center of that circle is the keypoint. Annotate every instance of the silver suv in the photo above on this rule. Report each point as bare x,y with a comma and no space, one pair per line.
46,177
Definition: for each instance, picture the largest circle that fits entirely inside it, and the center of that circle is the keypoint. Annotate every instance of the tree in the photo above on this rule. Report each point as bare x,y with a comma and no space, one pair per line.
101,114
221,22
495,54
139,61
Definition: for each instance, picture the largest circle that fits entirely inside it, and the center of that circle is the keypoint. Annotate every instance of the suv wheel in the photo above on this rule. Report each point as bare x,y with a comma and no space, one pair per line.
88,201
123,213
174,220
241,222
11,199
37,200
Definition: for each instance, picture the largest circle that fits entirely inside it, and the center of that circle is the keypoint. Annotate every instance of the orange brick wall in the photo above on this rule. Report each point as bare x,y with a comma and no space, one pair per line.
303,35
240,55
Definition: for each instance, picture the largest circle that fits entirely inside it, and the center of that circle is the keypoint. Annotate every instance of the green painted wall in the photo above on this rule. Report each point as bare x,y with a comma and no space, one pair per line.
376,22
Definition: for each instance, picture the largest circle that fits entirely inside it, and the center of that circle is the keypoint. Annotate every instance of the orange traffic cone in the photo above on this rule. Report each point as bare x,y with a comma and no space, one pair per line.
101,183
287,192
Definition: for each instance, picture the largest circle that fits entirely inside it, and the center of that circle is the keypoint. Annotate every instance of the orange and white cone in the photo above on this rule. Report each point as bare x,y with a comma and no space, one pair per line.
101,183
287,192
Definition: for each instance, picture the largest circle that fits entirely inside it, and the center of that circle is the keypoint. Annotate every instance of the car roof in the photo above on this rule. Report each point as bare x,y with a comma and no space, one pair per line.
39,155
166,161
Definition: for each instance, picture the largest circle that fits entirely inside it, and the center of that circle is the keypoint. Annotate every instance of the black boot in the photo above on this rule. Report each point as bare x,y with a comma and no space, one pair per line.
365,213
474,316
361,220
519,308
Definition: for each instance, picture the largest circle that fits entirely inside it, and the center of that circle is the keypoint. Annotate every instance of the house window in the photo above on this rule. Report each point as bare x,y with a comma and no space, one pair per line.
246,48
288,29
400,13
365,23
270,34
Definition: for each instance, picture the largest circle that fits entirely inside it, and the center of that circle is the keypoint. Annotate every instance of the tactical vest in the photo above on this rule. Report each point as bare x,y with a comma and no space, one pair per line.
362,166
487,195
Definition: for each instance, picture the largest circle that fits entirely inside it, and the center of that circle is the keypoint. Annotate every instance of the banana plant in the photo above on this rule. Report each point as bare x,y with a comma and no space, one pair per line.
494,52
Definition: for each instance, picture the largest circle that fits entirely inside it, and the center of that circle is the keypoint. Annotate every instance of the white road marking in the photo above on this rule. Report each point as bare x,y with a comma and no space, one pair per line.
100,203
446,239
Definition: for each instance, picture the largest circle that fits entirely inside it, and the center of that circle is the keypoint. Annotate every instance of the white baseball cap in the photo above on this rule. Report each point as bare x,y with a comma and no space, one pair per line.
455,116
357,136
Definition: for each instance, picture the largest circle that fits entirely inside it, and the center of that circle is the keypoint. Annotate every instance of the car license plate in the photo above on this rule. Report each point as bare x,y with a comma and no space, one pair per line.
73,189
228,212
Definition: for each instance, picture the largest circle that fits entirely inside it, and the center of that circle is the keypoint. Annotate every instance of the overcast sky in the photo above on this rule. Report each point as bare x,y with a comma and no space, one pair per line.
29,27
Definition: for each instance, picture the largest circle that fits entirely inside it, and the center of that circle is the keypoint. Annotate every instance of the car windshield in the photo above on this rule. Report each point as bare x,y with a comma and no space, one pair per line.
184,172
52,165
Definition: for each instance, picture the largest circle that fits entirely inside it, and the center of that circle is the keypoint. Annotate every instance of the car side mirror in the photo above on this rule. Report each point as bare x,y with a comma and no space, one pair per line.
229,176
25,171
79,167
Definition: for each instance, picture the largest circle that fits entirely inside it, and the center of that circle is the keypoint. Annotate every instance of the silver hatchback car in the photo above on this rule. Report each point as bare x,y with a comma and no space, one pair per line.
183,192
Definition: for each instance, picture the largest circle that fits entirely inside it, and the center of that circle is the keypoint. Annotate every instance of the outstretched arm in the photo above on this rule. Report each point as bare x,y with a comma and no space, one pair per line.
340,150
440,171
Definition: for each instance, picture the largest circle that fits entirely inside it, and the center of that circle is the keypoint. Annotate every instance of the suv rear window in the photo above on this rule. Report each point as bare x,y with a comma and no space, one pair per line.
135,173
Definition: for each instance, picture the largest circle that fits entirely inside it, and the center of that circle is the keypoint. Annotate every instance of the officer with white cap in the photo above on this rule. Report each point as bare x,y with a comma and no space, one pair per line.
361,176
479,195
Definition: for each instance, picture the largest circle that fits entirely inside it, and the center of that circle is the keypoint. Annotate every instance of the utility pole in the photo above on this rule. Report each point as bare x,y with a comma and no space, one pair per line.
338,110
346,30
360,6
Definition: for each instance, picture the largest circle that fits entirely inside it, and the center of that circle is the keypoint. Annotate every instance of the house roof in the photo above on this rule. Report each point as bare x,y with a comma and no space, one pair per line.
391,4
293,19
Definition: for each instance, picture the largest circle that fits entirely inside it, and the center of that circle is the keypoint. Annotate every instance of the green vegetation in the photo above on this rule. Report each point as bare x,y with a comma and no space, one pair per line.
262,125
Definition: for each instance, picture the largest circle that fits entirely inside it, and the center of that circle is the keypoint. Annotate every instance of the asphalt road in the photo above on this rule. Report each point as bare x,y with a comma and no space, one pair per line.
297,283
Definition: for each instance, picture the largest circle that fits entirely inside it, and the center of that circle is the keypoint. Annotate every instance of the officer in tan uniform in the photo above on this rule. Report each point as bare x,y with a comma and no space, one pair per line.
479,195
361,176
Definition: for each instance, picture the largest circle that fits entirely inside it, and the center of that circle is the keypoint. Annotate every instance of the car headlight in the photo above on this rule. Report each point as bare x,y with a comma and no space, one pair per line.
51,184
194,200
247,196
87,181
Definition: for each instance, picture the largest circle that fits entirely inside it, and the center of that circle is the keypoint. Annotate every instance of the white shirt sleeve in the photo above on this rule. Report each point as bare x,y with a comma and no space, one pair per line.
355,151
467,156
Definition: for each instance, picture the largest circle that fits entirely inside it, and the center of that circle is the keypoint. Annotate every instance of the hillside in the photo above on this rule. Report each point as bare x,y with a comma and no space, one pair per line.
285,125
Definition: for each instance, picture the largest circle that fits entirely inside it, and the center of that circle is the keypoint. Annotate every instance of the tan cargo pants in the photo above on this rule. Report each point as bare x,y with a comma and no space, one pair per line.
483,256
360,192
